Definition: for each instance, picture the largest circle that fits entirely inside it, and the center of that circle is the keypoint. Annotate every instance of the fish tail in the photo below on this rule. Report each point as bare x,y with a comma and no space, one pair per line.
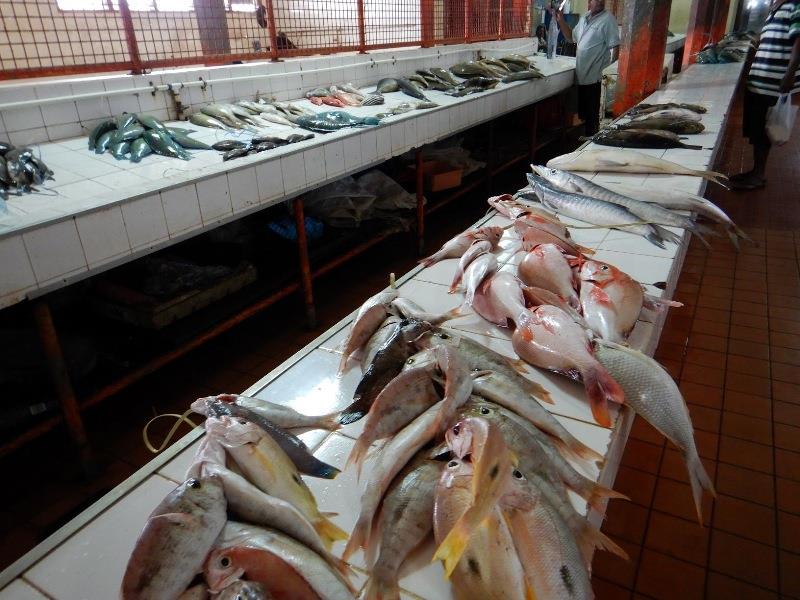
704,230
343,363
347,417
699,480
454,284
453,546
381,587
330,422
601,389
666,235
655,239
358,454
323,470
430,260
358,539
329,532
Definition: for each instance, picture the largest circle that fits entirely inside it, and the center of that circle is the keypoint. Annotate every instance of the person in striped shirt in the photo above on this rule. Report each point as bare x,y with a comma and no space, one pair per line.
773,72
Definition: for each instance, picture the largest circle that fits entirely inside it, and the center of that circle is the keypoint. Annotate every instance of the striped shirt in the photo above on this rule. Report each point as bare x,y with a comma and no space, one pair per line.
777,37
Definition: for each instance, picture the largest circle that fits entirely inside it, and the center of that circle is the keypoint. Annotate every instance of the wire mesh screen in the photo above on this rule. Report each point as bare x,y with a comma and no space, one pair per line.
48,37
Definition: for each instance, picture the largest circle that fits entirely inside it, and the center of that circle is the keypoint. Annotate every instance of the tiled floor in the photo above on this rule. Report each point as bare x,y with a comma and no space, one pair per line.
735,349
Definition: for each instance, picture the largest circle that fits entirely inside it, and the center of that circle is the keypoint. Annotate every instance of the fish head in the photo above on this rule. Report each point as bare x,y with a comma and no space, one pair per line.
222,568
412,329
516,491
478,407
244,590
554,176
233,431
491,233
197,495
457,473
599,272
423,358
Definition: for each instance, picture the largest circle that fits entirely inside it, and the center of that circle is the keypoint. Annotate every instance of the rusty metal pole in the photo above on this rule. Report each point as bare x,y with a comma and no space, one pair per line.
501,17
273,31
658,44
698,30
426,20
305,263
636,34
130,38
467,19
362,30
719,22
59,373
420,202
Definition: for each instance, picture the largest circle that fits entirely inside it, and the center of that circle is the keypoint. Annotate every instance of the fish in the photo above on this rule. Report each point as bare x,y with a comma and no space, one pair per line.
387,85
373,99
521,76
368,318
670,113
481,82
475,249
499,299
482,358
517,59
661,216
677,126
187,142
652,393
495,63
100,129
200,592
481,267
386,330
645,108
287,569
471,69
489,566
640,138
388,362
120,149
410,89
225,145
456,247
205,120
293,446
125,120
351,89
281,415
175,541
103,142
318,92
346,98
592,210
264,463
5,147
151,122
391,460
244,590
545,266
161,143
626,161
128,134
405,521
548,338
235,153
417,79
443,74
333,121
224,114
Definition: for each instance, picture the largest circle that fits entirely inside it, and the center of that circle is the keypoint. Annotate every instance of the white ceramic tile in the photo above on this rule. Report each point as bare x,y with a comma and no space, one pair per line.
90,167
243,187
181,209
351,147
28,137
83,189
334,159
369,146
20,590
18,119
411,140
270,180
398,135
121,179
384,147
55,250
314,160
214,197
119,104
60,113
145,221
66,130
103,235
91,563
294,173
16,273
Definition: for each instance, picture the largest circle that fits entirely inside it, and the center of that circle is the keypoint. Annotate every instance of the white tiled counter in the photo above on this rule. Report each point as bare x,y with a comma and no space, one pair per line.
101,212
86,558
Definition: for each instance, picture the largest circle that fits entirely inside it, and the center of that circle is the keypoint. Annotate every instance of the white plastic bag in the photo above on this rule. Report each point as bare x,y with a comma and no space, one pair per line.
780,120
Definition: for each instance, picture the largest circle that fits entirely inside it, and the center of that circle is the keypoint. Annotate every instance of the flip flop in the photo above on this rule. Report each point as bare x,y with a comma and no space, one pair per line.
740,177
748,184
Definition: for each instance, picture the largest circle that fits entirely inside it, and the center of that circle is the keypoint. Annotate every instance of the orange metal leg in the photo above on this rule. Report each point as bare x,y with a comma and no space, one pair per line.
305,264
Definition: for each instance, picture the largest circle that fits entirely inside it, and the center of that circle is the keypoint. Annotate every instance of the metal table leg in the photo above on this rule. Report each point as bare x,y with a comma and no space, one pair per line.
420,203
305,264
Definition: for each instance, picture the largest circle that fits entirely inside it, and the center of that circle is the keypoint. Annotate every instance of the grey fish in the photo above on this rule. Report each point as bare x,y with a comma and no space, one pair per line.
161,143
225,145
151,123
443,74
244,590
408,88
181,130
522,76
235,153
187,142
139,149
100,129
677,126
640,138
387,85
652,393
333,121
318,92
419,79
125,120
471,69
498,64
298,137
205,120
591,210
128,134
351,89
517,59
373,100
465,91
103,142
645,108
120,149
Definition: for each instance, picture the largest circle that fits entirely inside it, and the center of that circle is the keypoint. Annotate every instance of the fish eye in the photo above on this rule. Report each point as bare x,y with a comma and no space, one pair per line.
604,268
242,422
224,562
444,336
457,429
193,483
485,411
411,361
452,464
517,474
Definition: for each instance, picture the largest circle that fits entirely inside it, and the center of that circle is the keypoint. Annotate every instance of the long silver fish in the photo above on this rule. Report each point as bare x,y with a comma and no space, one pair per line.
652,393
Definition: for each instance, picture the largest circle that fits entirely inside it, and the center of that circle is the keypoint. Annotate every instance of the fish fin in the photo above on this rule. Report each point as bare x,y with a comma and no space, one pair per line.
346,417
666,235
705,230
329,532
330,422
591,538
699,480
585,250
600,494
601,389
381,588
653,238
573,447
661,285
358,539
659,304
691,146
358,454
453,546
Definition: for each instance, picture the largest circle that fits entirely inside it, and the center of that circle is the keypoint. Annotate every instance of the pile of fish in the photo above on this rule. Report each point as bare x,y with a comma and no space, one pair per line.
137,135
236,148
654,126
248,116
20,170
345,94
334,120
244,520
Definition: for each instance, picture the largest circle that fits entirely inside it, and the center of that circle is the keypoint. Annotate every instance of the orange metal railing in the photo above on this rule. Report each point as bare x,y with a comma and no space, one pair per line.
56,37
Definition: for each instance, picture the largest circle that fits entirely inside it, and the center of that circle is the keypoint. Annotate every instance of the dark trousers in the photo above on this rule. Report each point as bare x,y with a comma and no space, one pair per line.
589,106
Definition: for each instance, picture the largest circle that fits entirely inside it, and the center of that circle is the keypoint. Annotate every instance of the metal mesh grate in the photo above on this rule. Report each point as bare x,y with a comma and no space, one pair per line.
52,37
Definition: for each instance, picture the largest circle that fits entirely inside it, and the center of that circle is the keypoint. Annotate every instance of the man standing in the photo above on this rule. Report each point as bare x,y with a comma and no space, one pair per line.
772,73
597,36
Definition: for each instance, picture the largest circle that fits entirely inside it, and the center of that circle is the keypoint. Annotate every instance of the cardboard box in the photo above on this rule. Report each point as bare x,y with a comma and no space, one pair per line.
440,175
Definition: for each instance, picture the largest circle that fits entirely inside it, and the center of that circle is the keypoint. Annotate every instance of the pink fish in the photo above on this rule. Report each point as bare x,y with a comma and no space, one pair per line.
476,249
500,299
546,266
459,244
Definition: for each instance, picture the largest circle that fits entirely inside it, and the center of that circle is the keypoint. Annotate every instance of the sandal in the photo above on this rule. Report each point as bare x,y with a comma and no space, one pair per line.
747,183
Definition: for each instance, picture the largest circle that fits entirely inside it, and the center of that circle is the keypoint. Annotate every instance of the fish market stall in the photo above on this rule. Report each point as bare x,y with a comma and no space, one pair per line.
88,557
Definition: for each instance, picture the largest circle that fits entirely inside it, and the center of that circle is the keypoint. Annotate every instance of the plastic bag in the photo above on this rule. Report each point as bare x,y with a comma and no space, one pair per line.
780,120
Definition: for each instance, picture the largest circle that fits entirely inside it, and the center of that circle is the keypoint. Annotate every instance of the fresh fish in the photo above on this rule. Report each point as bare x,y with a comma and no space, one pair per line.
125,120
548,338
481,267
103,142
235,153
281,415
495,63
625,161
472,69
388,362
161,143
368,318
475,249
387,329
139,149
187,142
387,85
244,590
318,93
465,91
456,247
285,567
482,358
346,98
409,309
351,89
120,149
417,79
373,100
200,592
410,89
181,130
546,267
522,76
391,460
481,82
225,145
518,60
640,138
535,230
405,521
333,121
293,446
175,541
443,74
263,462
293,138
677,126
643,108
99,130
268,118
592,210
399,109
224,114
670,113
151,122
500,299
205,120
5,147
652,394
128,134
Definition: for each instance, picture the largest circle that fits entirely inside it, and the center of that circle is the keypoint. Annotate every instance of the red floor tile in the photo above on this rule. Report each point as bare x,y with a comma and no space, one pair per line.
747,428
787,464
626,521
746,519
722,587
677,538
790,575
745,484
703,395
675,498
787,437
658,577
746,404
744,559
745,454
642,455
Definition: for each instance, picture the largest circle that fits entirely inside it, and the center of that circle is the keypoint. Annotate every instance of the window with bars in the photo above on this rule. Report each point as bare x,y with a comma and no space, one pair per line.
150,5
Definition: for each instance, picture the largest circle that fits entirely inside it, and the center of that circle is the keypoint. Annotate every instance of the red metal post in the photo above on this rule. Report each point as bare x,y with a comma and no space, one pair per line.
362,31
420,202
273,31
130,37
636,34
698,31
467,19
426,20
658,44
719,23
501,17
305,263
